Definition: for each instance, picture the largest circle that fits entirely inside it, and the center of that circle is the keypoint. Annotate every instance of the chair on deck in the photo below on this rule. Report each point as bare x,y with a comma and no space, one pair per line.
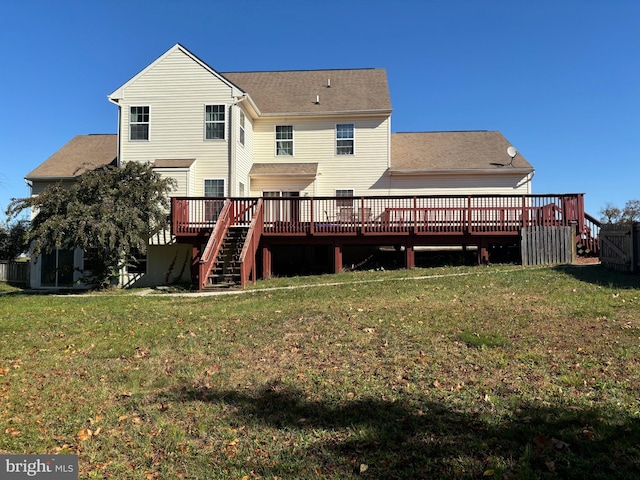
346,215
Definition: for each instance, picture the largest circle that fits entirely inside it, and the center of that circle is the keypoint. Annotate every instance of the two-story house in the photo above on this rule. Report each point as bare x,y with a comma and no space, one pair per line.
286,134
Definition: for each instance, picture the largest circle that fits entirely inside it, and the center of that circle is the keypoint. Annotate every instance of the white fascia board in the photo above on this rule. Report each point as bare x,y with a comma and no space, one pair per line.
468,171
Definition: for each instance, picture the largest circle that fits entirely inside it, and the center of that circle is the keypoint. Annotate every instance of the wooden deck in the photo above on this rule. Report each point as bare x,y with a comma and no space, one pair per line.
410,221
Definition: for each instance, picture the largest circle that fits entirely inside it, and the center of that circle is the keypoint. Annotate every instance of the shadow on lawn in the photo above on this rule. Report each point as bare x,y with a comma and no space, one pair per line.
599,275
398,441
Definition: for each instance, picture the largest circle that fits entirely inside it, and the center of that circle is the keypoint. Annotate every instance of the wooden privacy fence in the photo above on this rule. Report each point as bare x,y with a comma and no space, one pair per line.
620,247
548,245
14,272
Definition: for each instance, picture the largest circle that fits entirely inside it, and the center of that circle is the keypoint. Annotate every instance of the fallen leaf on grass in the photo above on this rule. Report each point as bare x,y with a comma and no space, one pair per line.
85,434
13,432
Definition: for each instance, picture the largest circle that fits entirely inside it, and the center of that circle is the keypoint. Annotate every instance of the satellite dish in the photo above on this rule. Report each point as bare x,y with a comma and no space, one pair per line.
512,152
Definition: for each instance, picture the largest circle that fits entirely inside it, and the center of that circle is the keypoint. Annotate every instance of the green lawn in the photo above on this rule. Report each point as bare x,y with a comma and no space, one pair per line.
483,372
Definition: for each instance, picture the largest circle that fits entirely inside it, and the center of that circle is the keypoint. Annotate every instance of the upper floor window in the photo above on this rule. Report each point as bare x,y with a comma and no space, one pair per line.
242,120
344,139
214,122
139,123
284,140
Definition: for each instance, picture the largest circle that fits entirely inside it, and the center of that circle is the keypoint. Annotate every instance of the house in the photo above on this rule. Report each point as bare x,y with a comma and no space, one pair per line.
284,134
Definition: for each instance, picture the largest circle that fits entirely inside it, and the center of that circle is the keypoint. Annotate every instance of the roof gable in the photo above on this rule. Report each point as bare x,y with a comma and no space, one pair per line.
119,92
440,152
82,154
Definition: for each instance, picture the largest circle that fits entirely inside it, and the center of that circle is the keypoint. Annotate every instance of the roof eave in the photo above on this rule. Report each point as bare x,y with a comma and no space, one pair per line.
346,113
54,178
462,171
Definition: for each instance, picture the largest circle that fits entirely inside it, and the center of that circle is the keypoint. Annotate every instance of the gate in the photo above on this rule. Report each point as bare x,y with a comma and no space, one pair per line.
547,245
620,246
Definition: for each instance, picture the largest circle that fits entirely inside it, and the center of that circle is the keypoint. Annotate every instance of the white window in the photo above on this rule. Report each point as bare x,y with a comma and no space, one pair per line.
344,202
139,123
284,140
214,122
214,187
344,139
241,136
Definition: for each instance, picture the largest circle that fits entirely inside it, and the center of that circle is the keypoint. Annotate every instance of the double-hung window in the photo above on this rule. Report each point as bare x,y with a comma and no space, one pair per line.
213,187
214,122
346,197
242,120
139,123
284,140
344,139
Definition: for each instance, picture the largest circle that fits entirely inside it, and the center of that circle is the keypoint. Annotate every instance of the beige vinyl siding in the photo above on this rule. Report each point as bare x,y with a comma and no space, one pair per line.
177,89
182,178
304,186
243,154
37,186
480,184
315,141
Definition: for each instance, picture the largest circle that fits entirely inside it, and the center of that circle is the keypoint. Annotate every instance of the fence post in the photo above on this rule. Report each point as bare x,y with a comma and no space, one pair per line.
574,246
634,246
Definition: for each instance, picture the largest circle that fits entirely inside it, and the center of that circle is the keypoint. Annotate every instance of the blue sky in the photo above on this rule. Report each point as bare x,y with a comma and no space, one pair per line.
559,78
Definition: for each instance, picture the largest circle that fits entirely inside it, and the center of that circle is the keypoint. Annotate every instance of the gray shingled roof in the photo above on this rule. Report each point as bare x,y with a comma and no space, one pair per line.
81,154
450,151
296,92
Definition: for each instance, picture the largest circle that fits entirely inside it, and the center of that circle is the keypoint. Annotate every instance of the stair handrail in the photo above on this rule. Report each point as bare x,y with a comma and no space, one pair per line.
212,248
256,228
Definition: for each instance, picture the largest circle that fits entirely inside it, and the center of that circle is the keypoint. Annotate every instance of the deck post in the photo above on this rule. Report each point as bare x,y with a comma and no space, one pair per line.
409,255
337,257
483,252
266,260
195,265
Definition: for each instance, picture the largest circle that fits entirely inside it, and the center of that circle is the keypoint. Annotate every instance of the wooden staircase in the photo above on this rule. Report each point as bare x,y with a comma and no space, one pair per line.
226,271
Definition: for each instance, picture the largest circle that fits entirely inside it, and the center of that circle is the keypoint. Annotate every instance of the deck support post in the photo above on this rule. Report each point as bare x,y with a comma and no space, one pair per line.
337,257
483,253
266,260
196,254
409,255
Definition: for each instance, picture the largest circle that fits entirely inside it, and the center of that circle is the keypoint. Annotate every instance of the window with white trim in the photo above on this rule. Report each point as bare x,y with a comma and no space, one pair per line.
139,123
344,202
344,138
284,140
214,187
214,122
241,136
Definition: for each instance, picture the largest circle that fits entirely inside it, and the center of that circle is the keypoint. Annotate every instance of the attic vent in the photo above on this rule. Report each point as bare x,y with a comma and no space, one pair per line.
328,83
317,99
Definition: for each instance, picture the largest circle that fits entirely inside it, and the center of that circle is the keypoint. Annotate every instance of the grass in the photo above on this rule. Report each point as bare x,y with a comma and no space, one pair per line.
485,372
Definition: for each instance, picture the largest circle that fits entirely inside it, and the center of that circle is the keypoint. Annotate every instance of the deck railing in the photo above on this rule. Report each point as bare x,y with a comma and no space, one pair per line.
250,247
441,215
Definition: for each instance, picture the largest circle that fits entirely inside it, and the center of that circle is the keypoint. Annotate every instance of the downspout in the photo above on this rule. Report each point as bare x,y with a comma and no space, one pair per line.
528,180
